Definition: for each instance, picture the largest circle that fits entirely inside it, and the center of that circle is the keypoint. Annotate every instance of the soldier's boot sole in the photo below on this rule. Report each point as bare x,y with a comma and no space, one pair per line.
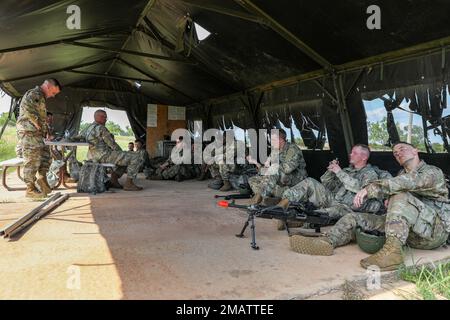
310,245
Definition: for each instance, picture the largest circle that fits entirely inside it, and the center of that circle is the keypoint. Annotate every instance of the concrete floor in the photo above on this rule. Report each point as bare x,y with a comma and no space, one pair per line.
169,241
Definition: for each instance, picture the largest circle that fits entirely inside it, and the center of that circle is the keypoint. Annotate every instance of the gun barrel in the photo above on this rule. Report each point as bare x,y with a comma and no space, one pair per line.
226,204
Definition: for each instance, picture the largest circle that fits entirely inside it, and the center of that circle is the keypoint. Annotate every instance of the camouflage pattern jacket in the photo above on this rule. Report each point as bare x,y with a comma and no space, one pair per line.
427,183
292,168
33,113
101,141
346,183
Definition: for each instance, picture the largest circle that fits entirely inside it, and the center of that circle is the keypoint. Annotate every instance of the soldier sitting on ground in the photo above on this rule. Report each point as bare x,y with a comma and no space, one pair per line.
418,214
104,149
290,169
146,163
338,188
220,170
179,172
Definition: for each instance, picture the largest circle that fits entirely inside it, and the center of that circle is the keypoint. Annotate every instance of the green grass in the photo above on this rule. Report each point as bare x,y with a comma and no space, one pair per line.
122,141
8,144
431,281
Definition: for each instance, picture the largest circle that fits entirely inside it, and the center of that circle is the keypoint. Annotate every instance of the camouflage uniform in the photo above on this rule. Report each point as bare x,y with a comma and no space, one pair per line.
32,114
222,170
46,158
185,171
418,213
336,192
291,170
104,149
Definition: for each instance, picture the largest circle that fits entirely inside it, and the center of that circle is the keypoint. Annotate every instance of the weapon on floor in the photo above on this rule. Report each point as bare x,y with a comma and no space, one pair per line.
296,212
233,196
37,213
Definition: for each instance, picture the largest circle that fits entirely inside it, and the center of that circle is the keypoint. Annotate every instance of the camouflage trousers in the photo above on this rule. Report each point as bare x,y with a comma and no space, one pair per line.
46,159
222,171
267,186
403,221
186,171
129,161
34,153
311,190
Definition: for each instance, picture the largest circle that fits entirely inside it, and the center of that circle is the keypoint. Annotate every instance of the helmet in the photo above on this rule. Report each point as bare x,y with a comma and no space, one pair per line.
369,242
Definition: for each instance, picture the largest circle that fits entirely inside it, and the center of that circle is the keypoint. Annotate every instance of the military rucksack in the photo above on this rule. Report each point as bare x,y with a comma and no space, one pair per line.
93,178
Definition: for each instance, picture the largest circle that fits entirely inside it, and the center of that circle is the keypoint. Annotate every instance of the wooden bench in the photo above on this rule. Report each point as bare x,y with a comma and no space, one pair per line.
11,163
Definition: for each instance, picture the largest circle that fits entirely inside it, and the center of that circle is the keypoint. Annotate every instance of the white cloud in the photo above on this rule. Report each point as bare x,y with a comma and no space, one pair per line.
376,114
5,103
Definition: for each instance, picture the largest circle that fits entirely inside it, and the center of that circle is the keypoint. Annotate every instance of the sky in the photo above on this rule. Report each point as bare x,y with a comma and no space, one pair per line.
375,111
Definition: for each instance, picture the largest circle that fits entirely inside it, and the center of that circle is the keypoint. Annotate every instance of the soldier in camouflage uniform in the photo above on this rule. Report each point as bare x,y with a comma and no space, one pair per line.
46,158
418,214
104,149
32,131
290,171
179,172
222,171
339,186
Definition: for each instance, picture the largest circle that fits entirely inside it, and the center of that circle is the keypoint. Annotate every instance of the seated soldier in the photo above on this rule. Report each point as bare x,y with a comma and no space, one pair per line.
146,163
131,147
418,213
222,171
339,186
104,149
290,171
179,172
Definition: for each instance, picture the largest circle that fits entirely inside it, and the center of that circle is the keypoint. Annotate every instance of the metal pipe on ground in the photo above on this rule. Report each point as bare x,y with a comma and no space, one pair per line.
16,224
40,214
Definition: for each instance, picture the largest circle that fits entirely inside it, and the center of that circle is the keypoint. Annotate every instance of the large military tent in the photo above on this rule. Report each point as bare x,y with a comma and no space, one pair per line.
264,62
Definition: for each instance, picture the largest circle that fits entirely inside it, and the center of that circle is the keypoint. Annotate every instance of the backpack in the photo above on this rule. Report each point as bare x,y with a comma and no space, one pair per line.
93,178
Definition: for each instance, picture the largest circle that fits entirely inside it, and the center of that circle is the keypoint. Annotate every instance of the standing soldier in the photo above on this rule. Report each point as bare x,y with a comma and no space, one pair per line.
32,130
46,158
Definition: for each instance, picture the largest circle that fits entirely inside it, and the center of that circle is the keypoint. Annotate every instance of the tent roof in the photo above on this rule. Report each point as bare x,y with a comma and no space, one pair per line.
252,42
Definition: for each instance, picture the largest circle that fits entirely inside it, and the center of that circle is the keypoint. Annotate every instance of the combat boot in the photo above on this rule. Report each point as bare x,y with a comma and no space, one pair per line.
43,185
226,186
257,198
32,192
114,182
130,186
388,258
316,246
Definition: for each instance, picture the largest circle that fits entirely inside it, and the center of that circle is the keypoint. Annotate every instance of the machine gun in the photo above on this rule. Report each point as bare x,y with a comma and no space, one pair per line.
296,212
